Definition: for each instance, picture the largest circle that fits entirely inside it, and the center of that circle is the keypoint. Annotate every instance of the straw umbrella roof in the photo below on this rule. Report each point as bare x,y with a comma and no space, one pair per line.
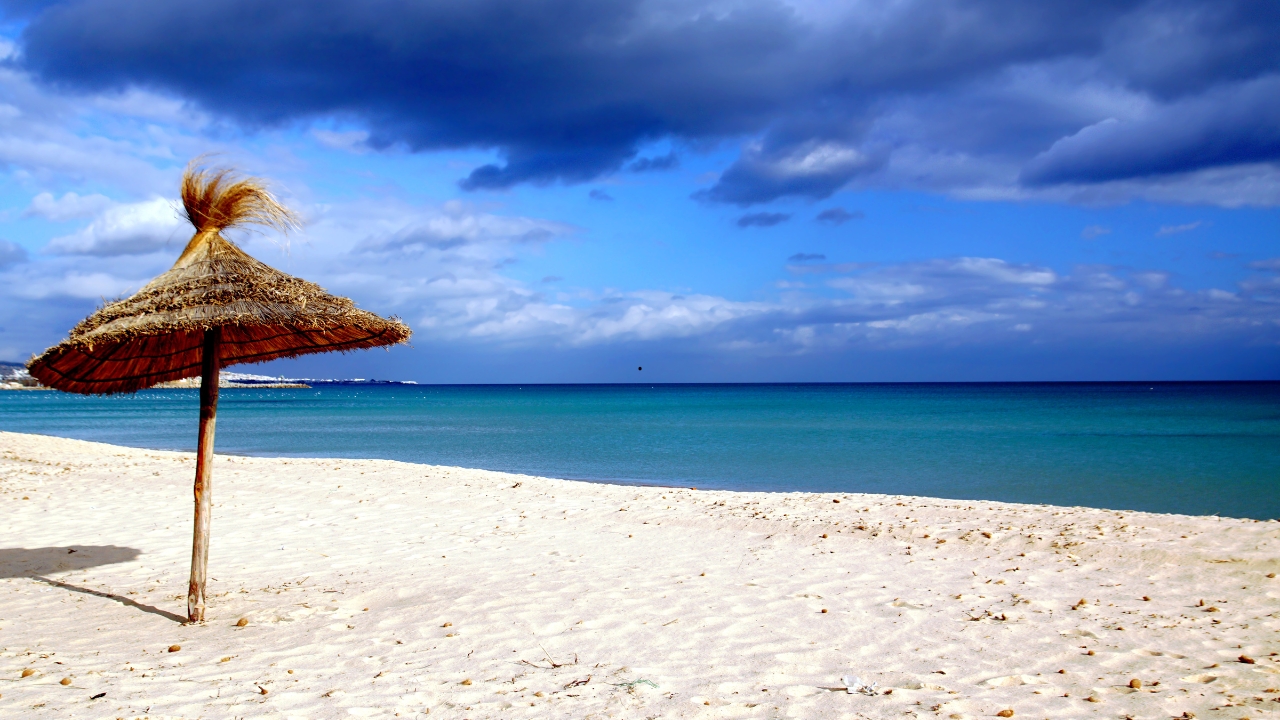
156,334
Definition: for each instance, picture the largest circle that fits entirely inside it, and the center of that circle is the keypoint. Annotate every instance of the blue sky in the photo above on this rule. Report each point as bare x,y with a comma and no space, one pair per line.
561,191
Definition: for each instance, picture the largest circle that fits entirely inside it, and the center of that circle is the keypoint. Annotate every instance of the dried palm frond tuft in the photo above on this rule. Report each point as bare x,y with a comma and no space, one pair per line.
217,199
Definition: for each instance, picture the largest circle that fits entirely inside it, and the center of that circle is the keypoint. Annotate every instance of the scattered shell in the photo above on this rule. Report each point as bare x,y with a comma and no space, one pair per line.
261,690
465,682
1136,684
539,694
175,648
1007,712
242,622
28,672
1211,609
1247,660
64,681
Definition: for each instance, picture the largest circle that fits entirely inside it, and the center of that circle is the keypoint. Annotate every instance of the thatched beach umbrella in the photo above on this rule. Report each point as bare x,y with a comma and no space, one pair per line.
215,307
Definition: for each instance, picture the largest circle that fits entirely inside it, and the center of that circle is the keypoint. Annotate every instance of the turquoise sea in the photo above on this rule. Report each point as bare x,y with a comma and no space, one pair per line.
1198,448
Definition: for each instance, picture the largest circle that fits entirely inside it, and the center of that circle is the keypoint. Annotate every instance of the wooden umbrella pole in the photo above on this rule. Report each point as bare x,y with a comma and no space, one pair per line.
204,473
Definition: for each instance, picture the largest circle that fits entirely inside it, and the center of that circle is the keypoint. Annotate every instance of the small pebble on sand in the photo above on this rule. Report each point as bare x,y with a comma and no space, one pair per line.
1146,599
1247,660
242,622
1007,712
64,681
466,682
1136,684
448,624
1089,653
175,648
28,672
824,609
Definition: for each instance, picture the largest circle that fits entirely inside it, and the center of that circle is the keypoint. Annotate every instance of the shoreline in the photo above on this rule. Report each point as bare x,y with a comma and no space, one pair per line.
706,486
733,604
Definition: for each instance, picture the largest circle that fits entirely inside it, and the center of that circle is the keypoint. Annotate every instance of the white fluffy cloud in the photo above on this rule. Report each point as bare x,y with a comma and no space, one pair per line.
456,224
70,206
125,229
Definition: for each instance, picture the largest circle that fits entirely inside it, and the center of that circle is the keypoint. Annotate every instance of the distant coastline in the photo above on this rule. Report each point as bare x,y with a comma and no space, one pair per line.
14,376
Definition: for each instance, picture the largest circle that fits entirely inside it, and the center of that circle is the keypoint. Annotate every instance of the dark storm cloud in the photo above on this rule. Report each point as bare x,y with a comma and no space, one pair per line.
661,162
1225,126
568,90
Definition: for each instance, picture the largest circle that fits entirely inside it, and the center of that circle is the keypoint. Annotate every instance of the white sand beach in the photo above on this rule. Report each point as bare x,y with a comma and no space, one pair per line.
385,589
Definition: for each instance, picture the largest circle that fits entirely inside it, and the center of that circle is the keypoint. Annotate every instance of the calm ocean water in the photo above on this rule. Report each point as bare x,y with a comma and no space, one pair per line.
1198,448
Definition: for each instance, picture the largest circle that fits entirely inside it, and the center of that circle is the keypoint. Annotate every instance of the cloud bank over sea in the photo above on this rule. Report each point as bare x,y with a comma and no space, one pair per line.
949,178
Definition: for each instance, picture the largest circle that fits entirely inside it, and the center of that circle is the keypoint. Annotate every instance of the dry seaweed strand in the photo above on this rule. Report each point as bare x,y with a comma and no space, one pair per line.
155,335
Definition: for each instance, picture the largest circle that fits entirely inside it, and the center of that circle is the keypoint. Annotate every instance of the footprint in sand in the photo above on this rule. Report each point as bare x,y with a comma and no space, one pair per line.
1013,680
921,686
1157,653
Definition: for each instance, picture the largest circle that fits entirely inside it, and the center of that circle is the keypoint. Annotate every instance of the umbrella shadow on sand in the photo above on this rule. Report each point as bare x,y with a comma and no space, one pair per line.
37,563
